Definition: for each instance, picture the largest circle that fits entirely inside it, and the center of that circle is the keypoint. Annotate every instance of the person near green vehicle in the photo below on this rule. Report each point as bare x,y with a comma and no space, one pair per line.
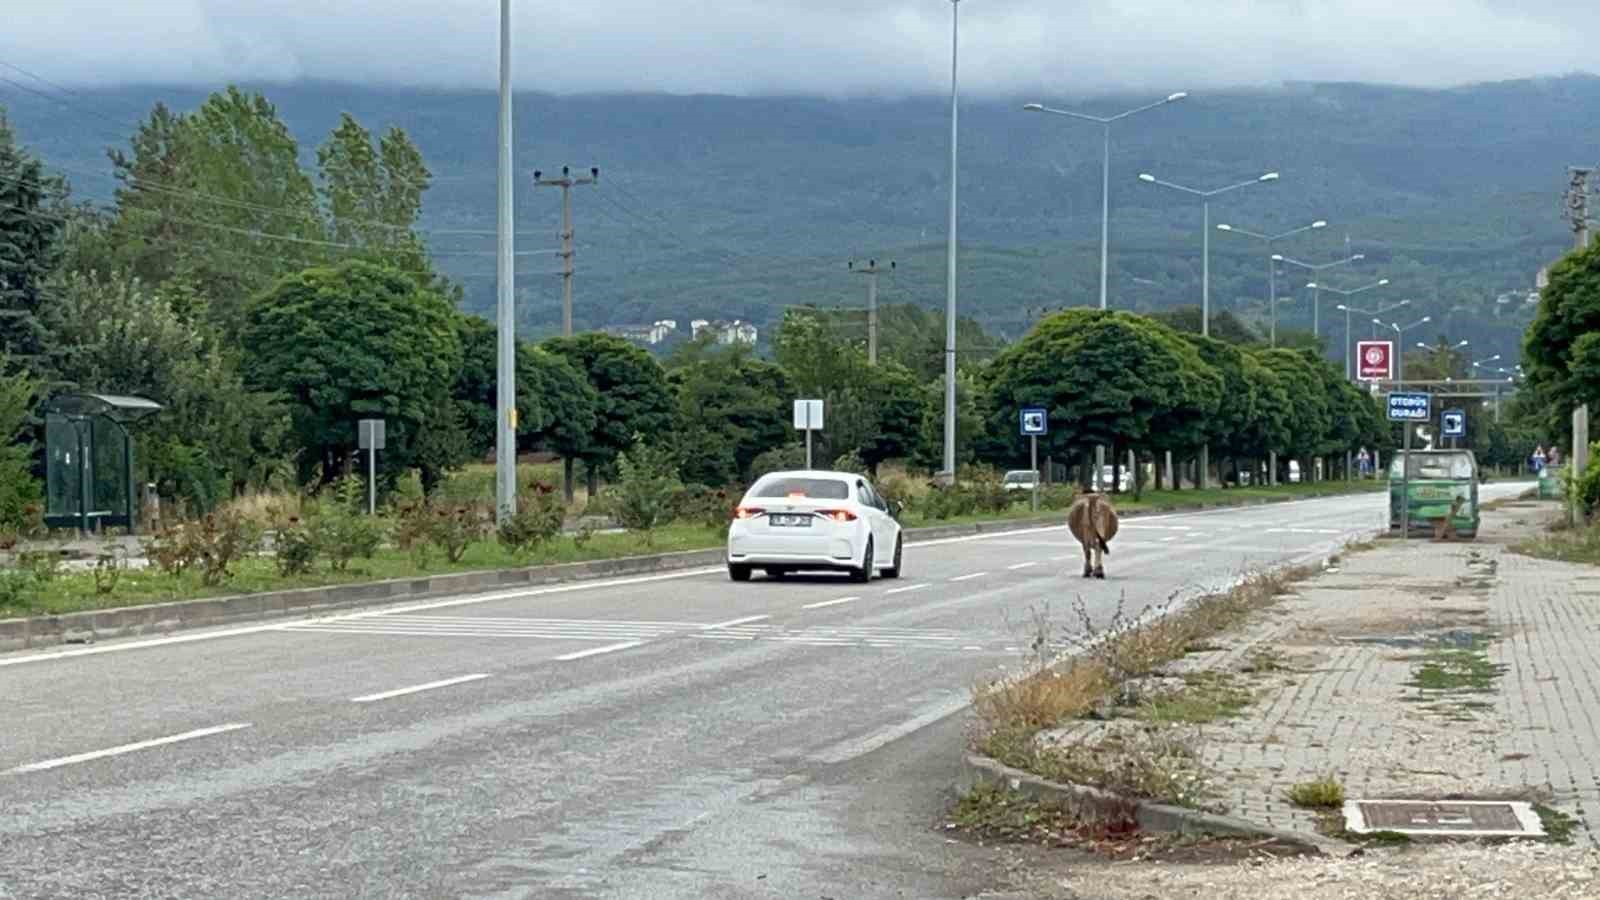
1432,484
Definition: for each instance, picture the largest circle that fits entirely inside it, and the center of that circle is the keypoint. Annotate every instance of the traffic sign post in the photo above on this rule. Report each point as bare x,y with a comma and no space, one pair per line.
370,437
1035,422
1453,425
1407,409
808,418
1375,361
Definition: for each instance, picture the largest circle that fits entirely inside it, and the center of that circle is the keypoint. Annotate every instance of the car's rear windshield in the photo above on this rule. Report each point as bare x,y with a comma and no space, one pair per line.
1019,476
815,488
1433,465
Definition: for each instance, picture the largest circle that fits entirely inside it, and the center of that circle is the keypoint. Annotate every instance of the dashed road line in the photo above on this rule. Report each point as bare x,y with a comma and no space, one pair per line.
598,651
129,748
826,603
907,588
1024,565
732,622
969,577
418,688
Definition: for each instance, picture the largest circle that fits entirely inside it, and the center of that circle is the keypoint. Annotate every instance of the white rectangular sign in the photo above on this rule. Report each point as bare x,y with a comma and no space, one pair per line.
808,415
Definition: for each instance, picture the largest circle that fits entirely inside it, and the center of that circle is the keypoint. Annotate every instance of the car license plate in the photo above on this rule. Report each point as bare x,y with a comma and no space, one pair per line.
793,521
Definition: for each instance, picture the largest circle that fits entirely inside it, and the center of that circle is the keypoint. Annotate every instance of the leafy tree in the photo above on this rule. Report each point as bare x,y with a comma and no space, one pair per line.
201,192
647,480
351,342
1111,379
974,439
372,195
1312,420
897,401
730,409
1240,403
634,401
556,406
30,248
1569,310
214,436
18,489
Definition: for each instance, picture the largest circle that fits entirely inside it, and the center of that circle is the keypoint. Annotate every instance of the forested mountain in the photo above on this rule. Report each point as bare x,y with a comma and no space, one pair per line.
720,207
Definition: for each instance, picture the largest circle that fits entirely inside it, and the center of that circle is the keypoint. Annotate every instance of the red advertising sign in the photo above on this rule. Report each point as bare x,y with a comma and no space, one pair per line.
1375,360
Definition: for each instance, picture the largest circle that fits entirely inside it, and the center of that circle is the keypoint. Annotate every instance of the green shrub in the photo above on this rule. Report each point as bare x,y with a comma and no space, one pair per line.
710,508
16,590
212,545
108,567
341,530
850,461
641,500
780,459
44,565
537,521
296,549
456,529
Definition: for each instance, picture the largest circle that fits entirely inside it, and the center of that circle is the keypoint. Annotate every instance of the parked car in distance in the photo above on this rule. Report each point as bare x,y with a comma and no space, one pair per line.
814,520
1108,477
1020,480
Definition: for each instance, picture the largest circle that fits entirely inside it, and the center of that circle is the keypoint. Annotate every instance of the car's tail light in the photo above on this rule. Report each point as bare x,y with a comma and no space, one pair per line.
838,515
748,512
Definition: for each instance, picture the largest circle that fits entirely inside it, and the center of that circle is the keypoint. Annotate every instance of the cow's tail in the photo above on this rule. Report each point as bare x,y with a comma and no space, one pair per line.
1094,525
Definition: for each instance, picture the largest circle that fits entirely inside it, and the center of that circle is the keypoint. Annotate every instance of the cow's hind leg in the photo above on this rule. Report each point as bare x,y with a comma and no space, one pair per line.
1099,563
1088,568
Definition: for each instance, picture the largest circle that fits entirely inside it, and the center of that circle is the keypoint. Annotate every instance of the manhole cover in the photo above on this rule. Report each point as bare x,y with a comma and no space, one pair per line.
1450,818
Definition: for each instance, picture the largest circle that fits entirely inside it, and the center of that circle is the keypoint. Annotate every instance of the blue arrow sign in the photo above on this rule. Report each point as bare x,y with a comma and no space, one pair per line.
1035,423
1454,422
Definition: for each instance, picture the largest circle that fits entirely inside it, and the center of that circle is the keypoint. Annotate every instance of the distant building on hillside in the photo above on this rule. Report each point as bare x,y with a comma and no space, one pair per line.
650,335
737,332
696,326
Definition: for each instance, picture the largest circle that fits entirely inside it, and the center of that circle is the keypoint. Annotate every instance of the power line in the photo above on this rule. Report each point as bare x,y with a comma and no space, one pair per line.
566,182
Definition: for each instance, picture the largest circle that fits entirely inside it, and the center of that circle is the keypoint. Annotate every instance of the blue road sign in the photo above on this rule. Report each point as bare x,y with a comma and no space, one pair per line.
1454,422
1035,423
1409,407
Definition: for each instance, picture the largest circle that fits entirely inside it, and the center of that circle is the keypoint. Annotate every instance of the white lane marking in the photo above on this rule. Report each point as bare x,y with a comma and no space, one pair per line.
415,607
418,688
1025,565
969,577
827,603
583,654
850,749
1168,540
732,622
907,588
130,748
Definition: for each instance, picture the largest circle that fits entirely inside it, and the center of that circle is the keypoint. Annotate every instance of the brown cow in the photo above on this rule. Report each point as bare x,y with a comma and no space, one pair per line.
1093,522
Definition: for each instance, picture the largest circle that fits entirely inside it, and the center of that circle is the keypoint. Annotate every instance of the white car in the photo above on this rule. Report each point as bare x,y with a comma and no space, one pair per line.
832,521
1020,480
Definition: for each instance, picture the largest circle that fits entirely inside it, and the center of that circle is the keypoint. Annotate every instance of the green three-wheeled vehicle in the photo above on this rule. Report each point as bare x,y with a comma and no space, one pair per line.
1431,484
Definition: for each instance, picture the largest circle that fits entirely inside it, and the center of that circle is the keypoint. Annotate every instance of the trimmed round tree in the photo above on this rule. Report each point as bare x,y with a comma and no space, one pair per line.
1109,379
349,342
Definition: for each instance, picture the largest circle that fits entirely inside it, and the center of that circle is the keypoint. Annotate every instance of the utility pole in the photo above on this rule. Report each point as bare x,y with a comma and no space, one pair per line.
1578,206
948,476
566,182
872,271
505,459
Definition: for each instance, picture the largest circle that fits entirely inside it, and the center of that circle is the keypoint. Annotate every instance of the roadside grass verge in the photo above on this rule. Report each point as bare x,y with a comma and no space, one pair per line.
1571,545
1143,755
27,590
65,592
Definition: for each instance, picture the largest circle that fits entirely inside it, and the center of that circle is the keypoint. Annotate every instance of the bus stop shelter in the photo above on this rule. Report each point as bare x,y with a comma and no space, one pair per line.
89,460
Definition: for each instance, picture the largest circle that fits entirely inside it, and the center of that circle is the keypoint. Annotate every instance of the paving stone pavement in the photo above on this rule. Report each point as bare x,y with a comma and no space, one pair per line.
1353,639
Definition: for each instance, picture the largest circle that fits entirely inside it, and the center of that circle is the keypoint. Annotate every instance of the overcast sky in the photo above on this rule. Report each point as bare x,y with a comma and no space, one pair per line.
835,47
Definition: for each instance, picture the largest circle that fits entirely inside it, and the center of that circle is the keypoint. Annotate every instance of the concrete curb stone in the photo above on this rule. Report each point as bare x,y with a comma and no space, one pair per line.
180,615
1081,799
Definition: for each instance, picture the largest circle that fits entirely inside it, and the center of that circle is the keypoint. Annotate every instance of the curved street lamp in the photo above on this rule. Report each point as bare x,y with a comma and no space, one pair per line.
1272,260
1105,170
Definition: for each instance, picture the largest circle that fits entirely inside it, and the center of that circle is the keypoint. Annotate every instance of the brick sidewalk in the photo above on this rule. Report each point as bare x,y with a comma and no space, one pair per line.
1349,639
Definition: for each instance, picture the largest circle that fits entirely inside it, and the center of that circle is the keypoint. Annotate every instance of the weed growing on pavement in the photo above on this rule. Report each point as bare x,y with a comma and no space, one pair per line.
1205,697
1558,826
1323,793
993,812
1140,761
1455,672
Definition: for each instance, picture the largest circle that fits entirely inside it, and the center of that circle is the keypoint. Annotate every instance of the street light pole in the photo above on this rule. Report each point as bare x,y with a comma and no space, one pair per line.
950,258
1205,264
1205,271
1382,282
1272,262
1105,172
505,459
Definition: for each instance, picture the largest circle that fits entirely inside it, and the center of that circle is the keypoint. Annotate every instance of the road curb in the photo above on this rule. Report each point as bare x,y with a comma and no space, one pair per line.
1083,800
181,615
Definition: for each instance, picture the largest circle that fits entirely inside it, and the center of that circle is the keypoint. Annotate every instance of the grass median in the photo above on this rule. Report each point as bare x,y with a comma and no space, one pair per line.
58,592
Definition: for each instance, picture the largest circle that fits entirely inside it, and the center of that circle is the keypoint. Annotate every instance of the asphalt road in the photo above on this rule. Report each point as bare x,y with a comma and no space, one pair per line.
664,736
